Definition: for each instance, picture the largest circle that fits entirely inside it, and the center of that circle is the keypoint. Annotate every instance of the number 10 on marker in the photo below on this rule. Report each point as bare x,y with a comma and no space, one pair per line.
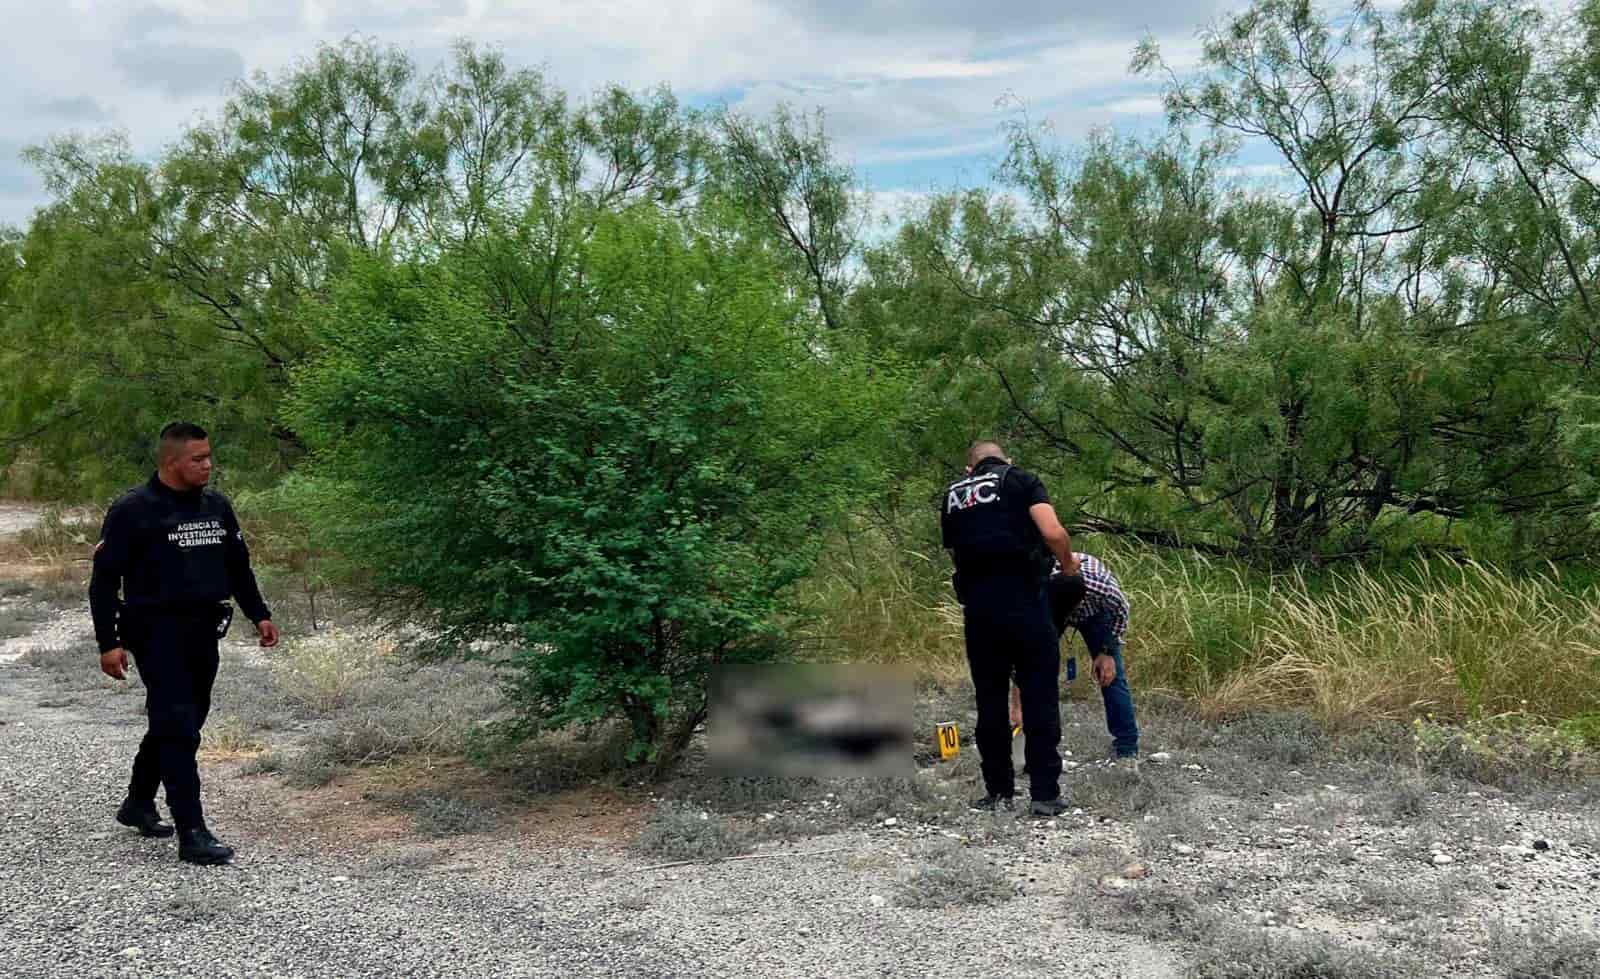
949,741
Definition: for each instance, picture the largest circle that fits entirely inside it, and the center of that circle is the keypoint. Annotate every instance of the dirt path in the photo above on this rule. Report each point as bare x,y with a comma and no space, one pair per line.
1205,859
323,887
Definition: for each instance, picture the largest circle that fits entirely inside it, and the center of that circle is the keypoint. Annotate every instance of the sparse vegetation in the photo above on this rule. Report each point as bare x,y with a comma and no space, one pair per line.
193,907
308,768
1434,896
1238,953
1154,912
72,667
227,734
437,815
265,763
1546,954
1126,794
321,672
678,832
550,761
945,874
1510,751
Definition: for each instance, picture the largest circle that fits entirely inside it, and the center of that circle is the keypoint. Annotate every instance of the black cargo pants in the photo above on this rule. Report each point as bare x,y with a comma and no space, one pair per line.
177,659
1009,634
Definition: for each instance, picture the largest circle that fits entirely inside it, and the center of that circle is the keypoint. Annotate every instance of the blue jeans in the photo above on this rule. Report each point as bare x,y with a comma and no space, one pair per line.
1099,637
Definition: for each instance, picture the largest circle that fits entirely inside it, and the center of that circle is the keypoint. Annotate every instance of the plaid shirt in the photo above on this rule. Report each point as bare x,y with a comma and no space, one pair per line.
1104,596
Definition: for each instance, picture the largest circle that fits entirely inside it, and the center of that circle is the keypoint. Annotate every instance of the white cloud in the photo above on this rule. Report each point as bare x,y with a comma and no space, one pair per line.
1256,171
938,151
902,84
1146,105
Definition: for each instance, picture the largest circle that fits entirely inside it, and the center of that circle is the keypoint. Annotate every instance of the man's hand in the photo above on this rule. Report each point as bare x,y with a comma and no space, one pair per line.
1074,569
268,633
1105,670
1016,706
114,663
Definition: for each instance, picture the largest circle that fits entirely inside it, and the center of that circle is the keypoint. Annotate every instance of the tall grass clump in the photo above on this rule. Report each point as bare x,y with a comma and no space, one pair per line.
1458,641
871,602
1347,645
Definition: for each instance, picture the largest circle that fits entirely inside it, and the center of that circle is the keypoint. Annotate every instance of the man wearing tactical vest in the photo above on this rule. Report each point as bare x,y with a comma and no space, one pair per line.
998,523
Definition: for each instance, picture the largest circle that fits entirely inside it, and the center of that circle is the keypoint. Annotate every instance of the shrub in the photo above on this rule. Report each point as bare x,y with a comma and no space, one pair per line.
442,815
1240,954
1509,751
677,832
948,875
1546,954
624,493
320,672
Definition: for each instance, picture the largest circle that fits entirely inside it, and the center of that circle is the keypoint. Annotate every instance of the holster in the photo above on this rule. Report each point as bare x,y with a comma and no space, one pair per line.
224,618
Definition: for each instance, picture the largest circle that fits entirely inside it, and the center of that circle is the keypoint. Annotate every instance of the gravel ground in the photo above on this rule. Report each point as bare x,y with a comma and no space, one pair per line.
326,883
82,897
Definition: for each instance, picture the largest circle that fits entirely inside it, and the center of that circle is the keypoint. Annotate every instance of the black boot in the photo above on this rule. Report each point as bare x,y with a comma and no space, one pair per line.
199,846
1048,807
143,817
993,803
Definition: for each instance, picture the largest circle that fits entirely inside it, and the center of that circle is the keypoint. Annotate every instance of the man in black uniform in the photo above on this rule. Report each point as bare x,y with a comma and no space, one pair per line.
174,549
997,522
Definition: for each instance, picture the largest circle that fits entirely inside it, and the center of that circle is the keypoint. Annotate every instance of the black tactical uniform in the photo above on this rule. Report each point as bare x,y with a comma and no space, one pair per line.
1000,576
177,557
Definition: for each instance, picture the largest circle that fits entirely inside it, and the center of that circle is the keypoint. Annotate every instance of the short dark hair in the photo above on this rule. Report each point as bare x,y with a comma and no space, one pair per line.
178,434
983,449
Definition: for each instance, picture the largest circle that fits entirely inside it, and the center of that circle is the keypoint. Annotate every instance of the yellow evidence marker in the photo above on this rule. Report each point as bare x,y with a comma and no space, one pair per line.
949,740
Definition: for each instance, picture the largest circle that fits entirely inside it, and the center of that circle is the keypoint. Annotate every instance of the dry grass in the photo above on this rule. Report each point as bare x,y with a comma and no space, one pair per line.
1454,640
1546,954
1249,954
323,672
678,832
229,736
878,604
949,875
61,536
1348,646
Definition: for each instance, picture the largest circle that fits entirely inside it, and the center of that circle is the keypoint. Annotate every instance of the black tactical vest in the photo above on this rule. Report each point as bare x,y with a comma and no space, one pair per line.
987,530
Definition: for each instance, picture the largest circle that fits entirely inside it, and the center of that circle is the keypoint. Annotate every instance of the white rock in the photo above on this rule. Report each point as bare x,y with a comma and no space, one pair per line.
339,880
132,951
878,900
891,821
1050,825
1161,756
1443,859
1183,849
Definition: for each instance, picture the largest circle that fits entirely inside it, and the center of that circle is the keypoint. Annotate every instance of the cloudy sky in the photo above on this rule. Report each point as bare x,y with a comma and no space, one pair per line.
912,88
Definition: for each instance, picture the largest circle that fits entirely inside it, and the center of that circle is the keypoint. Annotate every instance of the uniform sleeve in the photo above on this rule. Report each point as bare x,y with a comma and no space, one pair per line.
241,579
1032,488
110,566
